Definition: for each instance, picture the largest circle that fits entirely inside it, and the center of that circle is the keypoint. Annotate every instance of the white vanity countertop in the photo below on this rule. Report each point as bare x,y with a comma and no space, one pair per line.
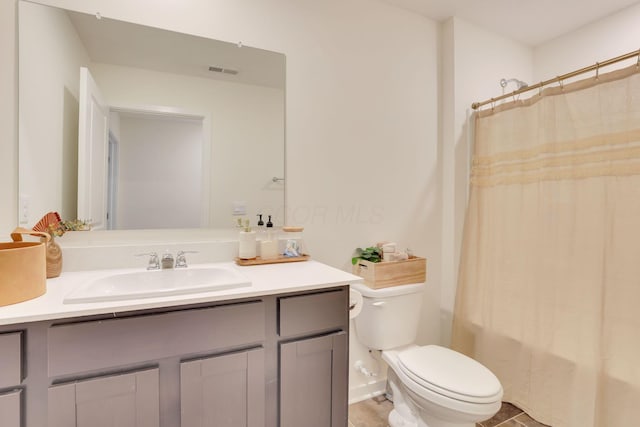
266,279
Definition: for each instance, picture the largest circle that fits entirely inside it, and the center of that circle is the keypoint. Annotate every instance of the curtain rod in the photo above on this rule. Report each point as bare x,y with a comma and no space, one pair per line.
559,79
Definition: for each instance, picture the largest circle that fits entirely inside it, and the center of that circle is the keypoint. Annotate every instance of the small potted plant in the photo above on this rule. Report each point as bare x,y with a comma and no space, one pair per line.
371,254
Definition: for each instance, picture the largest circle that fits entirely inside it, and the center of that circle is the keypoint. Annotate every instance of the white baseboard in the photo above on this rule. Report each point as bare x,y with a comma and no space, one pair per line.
367,391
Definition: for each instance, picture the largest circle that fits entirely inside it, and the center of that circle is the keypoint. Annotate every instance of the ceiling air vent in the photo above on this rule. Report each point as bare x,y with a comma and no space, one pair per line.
217,69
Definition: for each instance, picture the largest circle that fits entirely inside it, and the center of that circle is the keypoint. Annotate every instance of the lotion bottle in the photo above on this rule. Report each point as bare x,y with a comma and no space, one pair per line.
246,242
269,246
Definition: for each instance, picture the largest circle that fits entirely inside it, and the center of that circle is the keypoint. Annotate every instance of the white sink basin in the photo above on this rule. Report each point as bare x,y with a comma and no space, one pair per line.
160,283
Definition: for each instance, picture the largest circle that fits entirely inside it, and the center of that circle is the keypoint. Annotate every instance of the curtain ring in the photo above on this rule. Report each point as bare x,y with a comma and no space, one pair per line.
540,88
560,83
638,63
597,70
493,104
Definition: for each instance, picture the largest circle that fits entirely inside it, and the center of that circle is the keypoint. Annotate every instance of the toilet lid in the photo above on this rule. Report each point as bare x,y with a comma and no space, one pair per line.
450,373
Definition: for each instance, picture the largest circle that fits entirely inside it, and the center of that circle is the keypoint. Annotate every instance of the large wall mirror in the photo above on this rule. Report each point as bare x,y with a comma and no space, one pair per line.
135,127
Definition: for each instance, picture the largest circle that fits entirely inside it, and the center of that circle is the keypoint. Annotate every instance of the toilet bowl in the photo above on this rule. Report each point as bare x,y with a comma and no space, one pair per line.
443,387
432,386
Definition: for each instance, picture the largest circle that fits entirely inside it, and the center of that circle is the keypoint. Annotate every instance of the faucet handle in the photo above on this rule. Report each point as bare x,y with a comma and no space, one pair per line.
154,261
181,258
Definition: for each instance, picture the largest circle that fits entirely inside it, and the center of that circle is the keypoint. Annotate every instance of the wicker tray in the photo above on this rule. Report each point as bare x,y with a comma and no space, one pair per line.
280,259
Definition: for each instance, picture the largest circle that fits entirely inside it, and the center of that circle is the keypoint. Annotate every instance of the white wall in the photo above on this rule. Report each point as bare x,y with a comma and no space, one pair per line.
49,87
473,62
609,37
159,172
257,148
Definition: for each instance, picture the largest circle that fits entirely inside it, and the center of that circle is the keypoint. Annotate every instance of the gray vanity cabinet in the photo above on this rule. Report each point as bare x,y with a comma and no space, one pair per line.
224,391
10,408
125,400
269,361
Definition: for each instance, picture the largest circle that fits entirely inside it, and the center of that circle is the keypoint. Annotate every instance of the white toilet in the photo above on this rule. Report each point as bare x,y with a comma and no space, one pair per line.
432,386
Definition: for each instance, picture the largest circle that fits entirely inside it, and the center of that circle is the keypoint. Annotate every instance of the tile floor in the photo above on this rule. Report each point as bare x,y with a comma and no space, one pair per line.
374,413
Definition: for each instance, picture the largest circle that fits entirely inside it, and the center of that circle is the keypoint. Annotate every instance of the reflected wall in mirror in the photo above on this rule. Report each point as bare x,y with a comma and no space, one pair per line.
196,125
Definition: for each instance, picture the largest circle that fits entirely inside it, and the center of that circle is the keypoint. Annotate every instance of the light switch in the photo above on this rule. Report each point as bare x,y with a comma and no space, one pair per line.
239,208
24,209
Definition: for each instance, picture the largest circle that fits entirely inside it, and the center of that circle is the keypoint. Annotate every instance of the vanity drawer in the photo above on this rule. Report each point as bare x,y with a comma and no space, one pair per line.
10,359
81,347
313,313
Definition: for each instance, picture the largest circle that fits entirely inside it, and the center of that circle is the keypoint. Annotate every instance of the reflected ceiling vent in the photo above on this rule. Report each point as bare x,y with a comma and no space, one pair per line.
217,69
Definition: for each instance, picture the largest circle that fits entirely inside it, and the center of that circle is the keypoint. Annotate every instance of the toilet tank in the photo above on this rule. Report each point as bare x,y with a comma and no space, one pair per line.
389,316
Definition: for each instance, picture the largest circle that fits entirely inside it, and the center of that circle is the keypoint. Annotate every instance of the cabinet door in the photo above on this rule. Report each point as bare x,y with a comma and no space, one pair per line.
313,382
127,400
10,359
10,409
223,391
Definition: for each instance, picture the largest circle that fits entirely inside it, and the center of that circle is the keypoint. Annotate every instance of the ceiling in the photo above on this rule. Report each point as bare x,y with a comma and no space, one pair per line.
121,43
531,22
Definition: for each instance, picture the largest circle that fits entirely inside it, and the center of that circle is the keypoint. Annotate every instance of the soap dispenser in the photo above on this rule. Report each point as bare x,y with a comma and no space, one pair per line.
261,234
269,245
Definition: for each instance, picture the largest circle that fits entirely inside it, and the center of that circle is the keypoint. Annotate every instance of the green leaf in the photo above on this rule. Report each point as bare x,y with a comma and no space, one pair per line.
371,254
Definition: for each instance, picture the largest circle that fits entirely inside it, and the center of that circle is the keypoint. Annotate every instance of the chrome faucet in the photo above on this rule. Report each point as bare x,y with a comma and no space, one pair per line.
167,261
181,258
154,261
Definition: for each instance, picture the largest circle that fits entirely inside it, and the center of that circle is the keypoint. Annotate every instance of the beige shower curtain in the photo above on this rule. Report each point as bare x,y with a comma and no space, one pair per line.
549,286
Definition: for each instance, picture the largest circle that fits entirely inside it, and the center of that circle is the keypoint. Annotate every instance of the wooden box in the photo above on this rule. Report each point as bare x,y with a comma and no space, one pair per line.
391,273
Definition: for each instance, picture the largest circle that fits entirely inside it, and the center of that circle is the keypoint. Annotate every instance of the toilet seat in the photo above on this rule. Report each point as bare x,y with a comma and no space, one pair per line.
450,374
